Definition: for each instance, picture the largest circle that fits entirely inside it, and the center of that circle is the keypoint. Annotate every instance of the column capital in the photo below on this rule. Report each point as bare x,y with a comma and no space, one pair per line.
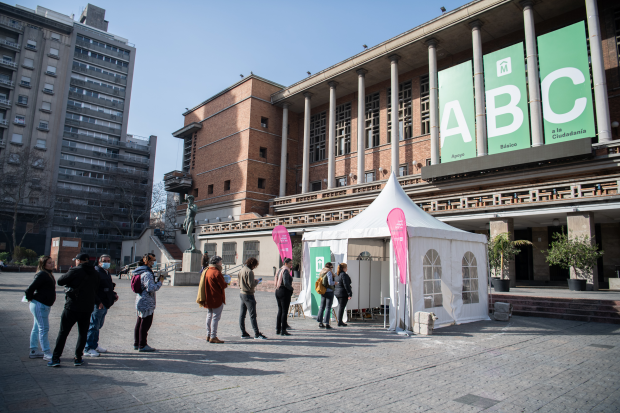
332,84
432,42
286,105
308,94
394,58
526,3
361,72
476,24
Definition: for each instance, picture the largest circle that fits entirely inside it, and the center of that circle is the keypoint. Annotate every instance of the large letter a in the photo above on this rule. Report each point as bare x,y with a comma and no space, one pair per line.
460,129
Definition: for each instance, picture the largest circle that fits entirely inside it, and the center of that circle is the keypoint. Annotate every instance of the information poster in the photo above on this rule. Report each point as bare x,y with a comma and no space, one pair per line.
319,256
506,100
565,86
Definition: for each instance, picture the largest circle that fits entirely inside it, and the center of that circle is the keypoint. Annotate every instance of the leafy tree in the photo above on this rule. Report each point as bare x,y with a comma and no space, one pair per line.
502,250
577,252
297,248
4,256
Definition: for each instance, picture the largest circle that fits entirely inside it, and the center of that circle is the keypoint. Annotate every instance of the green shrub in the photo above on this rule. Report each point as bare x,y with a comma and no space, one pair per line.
4,256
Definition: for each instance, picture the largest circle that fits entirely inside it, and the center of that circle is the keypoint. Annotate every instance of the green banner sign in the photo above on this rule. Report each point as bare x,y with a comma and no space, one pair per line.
319,256
565,86
456,113
506,100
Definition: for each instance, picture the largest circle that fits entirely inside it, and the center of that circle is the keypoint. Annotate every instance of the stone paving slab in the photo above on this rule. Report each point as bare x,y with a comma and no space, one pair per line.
528,364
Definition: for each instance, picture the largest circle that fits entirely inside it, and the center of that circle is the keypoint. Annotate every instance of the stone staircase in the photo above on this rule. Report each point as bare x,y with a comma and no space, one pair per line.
176,253
600,311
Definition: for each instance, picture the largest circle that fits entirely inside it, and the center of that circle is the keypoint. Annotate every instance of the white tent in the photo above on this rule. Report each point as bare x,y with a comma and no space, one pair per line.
447,266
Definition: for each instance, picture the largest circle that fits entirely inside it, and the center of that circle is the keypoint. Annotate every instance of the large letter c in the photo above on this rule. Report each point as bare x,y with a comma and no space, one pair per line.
580,104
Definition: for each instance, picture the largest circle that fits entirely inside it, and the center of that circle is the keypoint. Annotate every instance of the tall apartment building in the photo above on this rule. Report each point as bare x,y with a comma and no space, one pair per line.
65,89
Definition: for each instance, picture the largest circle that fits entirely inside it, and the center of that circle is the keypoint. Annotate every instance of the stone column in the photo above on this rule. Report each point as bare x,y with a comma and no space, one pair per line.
394,100
578,225
434,106
284,149
498,226
305,174
361,125
481,123
598,74
331,156
532,74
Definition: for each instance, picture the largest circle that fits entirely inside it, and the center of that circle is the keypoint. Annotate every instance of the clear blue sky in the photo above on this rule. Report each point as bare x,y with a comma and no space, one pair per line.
188,51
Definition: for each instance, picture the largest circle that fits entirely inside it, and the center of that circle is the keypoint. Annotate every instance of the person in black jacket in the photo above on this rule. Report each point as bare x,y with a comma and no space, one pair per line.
42,294
284,291
81,283
108,297
342,291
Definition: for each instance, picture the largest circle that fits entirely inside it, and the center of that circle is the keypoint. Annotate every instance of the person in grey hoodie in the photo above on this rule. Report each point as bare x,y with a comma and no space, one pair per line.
284,291
145,302
247,287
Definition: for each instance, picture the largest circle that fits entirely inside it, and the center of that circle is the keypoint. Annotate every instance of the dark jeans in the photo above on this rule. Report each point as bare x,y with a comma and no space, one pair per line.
141,331
326,306
68,319
283,296
342,303
248,303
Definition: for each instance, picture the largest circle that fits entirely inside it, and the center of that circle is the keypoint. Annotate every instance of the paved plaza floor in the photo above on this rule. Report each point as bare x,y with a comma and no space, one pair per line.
525,365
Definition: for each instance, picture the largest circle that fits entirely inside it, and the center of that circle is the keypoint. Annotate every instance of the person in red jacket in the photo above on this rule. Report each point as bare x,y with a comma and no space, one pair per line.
214,297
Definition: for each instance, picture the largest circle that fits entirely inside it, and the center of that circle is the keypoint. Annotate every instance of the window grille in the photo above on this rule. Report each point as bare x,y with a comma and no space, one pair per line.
425,106
316,186
372,120
343,129
210,249
432,279
229,253
251,249
470,279
317,137
404,111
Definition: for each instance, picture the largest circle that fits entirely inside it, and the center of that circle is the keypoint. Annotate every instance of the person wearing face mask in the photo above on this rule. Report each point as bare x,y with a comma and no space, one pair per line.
108,297
145,301
212,296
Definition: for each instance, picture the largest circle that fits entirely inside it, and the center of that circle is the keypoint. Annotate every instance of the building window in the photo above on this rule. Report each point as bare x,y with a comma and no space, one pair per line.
210,189
343,129
25,81
41,143
46,105
14,158
55,37
43,125
48,88
431,267
264,122
403,170
425,105
29,63
51,70
341,181
404,111
317,137
210,249
226,185
20,120
53,52
315,186
262,152
31,44
369,176
17,138
261,183
22,100
229,253
427,162
372,120
251,249
470,279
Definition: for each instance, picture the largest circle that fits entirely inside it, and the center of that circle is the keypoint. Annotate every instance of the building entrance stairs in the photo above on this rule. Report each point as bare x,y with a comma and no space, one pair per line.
176,253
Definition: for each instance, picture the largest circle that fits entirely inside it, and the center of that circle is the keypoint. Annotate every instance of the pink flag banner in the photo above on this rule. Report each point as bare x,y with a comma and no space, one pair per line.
283,241
400,240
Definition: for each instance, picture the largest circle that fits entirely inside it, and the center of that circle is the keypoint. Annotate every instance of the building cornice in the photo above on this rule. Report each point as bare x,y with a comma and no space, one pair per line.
35,18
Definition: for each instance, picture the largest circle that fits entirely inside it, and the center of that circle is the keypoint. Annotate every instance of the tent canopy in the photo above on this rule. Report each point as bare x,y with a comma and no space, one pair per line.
372,222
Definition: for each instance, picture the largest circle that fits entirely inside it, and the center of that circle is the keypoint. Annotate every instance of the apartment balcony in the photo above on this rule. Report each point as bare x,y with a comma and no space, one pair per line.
99,62
96,101
89,152
89,236
133,160
106,169
5,104
97,88
74,193
93,126
11,24
95,113
103,50
177,181
10,45
105,77
8,64
134,147
114,143
7,83
86,180
4,123
84,223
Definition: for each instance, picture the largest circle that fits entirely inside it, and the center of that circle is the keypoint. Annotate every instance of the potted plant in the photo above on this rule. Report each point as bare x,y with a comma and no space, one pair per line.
501,250
577,253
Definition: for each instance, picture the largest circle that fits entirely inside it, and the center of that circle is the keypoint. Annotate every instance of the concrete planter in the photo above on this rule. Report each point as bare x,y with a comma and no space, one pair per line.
576,285
614,284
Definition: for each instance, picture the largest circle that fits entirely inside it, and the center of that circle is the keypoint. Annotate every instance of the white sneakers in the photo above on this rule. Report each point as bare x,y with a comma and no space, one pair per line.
35,354
91,353
47,356
101,350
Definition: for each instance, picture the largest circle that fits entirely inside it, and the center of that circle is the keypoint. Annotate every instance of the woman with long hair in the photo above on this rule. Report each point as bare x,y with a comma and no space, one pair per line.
284,291
145,301
41,294
325,310
342,291
204,262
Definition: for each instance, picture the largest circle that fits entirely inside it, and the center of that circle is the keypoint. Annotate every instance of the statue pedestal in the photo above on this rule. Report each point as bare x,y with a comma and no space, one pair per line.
192,262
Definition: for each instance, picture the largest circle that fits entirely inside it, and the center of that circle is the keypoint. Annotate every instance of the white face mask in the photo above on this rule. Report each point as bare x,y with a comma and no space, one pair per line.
154,263
105,265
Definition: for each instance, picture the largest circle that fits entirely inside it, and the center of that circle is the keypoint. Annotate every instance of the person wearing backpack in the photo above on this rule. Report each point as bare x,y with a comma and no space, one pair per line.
327,279
343,291
81,283
144,285
284,292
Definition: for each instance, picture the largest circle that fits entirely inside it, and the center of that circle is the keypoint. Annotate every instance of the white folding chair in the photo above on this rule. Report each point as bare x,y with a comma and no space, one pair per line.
297,305
334,306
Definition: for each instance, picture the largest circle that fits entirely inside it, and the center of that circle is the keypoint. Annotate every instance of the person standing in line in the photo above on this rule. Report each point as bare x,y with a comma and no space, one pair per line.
284,291
145,302
247,287
342,291
212,296
41,294
328,298
108,297
205,261
81,283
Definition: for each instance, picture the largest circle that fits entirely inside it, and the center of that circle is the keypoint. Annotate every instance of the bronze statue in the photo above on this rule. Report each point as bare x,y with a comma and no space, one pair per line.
188,224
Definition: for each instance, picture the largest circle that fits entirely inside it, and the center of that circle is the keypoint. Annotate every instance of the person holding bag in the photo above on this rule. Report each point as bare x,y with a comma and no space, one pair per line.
211,295
41,294
342,291
145,301
327,298
284,291
247,287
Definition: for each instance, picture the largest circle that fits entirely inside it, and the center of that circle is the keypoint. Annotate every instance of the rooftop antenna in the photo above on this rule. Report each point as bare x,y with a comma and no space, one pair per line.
443,9
308,73
365,47
241,75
